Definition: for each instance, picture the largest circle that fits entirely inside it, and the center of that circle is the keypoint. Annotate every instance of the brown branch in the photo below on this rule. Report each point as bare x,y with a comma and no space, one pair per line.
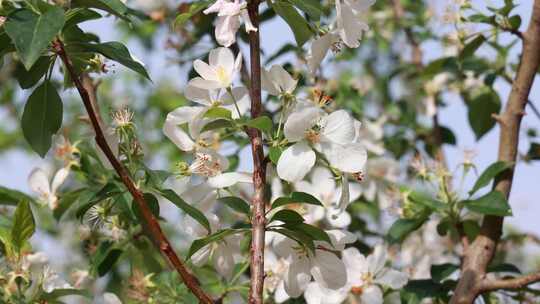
515,283
150,222
482,250
259,169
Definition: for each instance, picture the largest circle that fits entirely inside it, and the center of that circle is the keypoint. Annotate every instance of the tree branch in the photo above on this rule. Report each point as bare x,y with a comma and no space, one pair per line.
515,283
259,169
150,222
481,251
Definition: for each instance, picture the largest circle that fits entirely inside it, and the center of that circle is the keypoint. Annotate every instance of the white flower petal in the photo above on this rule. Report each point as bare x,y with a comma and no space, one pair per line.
282,79
339,127
349,158
226,28
328,270
228,179
316,294
206,71
222,57
39,182
340,238
319,48
297,277
299,122
280,294
111,298
377,259
201,257
59,179
392,278
197,94
372,295
295,162
223,261
338,218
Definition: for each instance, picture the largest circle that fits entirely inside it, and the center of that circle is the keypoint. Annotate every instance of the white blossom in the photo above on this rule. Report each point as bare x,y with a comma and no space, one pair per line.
220,70
39,183
230,15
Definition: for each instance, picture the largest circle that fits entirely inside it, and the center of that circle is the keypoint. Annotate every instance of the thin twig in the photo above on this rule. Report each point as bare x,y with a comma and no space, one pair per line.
515,283
150,222
258,219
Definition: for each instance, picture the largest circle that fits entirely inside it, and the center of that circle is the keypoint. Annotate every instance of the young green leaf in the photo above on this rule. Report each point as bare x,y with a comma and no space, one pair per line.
12,197
187,208
287,216
218,112
403,227
482,106
32,33
28,79
313,8
301,30
118,52
300,237
296,198
493,203
471,47
262,123
274,153
236,203
115,7
80,15
489,174
152,203
24,225
194,8
42,117
67,200
314,232
217,124
440,272
219,235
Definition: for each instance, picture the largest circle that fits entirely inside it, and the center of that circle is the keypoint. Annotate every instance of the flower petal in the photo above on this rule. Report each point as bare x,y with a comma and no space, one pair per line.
299,122
297,277
228,179
392,278
223,261
39,182
339,127
377,259
328,270
295,162
206,71
226,28
316,294
319,49
349,158
372,295
197,94
222,57
282,79
59,179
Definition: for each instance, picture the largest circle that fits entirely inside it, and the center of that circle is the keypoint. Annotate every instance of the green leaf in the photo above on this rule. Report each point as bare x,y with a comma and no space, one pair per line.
300,237
471,47
493,203
187,208
534,151
194,8
482,105
504,267
219,235
301,29
426,201
218,112
275,153
417,290
236,203
42,117
24,225
314,232
152,203
515,22
109,190
217,124
311,7
80,15
296,198
118,52
287,216
12,197
62,292
489,174
31,33
105,257
442,271
262,123
115,7
28,79
403,227
448,136
66,201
